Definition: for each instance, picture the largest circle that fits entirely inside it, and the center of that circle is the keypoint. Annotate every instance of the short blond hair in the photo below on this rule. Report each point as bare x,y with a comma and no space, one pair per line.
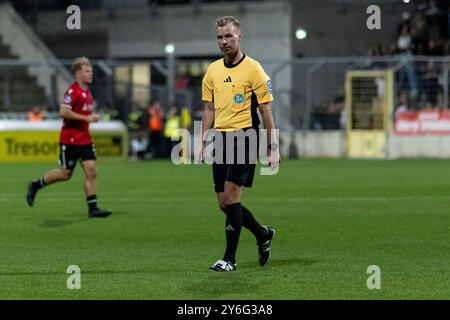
79,63
223,21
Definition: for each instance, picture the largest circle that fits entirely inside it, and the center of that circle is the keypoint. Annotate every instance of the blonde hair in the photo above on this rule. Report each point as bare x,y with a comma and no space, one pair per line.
223,21
79,63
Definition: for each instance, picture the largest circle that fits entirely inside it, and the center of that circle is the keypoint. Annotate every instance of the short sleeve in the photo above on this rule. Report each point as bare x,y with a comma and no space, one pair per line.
261,85
70,98
207,87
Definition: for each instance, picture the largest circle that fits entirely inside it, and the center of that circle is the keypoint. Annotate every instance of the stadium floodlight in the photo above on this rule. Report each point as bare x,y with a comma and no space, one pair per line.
171,70
300,34
169,48
406,1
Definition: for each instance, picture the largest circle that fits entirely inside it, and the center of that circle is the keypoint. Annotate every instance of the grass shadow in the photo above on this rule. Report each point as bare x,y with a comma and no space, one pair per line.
281,263
58,223
119,213
219,285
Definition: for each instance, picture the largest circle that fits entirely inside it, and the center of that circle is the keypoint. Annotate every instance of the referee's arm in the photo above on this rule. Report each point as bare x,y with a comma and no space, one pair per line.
272,137
207,122
207,118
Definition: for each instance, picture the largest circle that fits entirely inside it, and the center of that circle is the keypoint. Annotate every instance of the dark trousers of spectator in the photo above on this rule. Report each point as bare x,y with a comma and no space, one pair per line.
326,121
168,146
155,143
431,88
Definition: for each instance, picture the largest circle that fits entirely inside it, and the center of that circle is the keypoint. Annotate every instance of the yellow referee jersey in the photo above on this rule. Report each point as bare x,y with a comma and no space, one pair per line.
236,91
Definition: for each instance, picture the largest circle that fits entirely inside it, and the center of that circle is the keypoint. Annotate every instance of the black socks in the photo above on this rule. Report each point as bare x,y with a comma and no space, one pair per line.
251,224
233,225
39,184
92,202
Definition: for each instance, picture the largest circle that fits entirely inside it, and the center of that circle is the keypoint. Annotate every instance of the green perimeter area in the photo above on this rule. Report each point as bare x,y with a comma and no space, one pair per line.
334,218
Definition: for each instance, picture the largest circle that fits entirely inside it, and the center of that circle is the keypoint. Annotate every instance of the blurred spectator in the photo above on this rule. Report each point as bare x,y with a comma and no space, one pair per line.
171,129
138,144
36,114
328,116
404,41
436,19
186,119
374,51
435,47
336,110
136,119
403,104
430,84
420,31
447,48
387,50
407,75
137,127
421,5
406,21
107,113
155,127
182,82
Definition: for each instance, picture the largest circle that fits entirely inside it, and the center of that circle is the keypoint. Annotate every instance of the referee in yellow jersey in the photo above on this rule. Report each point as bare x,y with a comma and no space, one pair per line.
233,89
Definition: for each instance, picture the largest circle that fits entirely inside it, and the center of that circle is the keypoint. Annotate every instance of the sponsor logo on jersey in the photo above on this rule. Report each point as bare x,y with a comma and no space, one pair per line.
87,107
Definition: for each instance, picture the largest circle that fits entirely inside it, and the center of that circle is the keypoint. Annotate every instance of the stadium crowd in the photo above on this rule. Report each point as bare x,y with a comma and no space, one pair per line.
419,83
425,33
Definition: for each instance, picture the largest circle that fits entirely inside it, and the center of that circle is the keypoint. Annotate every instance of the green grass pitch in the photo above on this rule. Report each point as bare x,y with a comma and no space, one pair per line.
334,218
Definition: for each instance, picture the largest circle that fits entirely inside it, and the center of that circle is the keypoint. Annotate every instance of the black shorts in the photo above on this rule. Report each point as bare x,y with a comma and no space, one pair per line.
230,169
240,174
69,154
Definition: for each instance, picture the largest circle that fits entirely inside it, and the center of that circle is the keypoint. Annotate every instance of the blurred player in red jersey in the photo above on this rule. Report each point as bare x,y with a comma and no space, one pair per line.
75,139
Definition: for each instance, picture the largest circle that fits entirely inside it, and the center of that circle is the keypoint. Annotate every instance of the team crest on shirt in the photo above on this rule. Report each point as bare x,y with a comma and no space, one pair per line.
84,95
67,98
238,98
269,86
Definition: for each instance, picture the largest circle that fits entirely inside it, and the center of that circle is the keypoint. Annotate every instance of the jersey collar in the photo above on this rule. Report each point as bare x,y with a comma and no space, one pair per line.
84,89
229,65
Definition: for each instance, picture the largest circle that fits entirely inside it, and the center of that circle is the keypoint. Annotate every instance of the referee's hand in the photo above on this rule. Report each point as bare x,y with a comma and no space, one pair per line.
274,159
200,153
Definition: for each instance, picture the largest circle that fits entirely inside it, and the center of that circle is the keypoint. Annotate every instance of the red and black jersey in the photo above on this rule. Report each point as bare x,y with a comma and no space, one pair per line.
80,101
